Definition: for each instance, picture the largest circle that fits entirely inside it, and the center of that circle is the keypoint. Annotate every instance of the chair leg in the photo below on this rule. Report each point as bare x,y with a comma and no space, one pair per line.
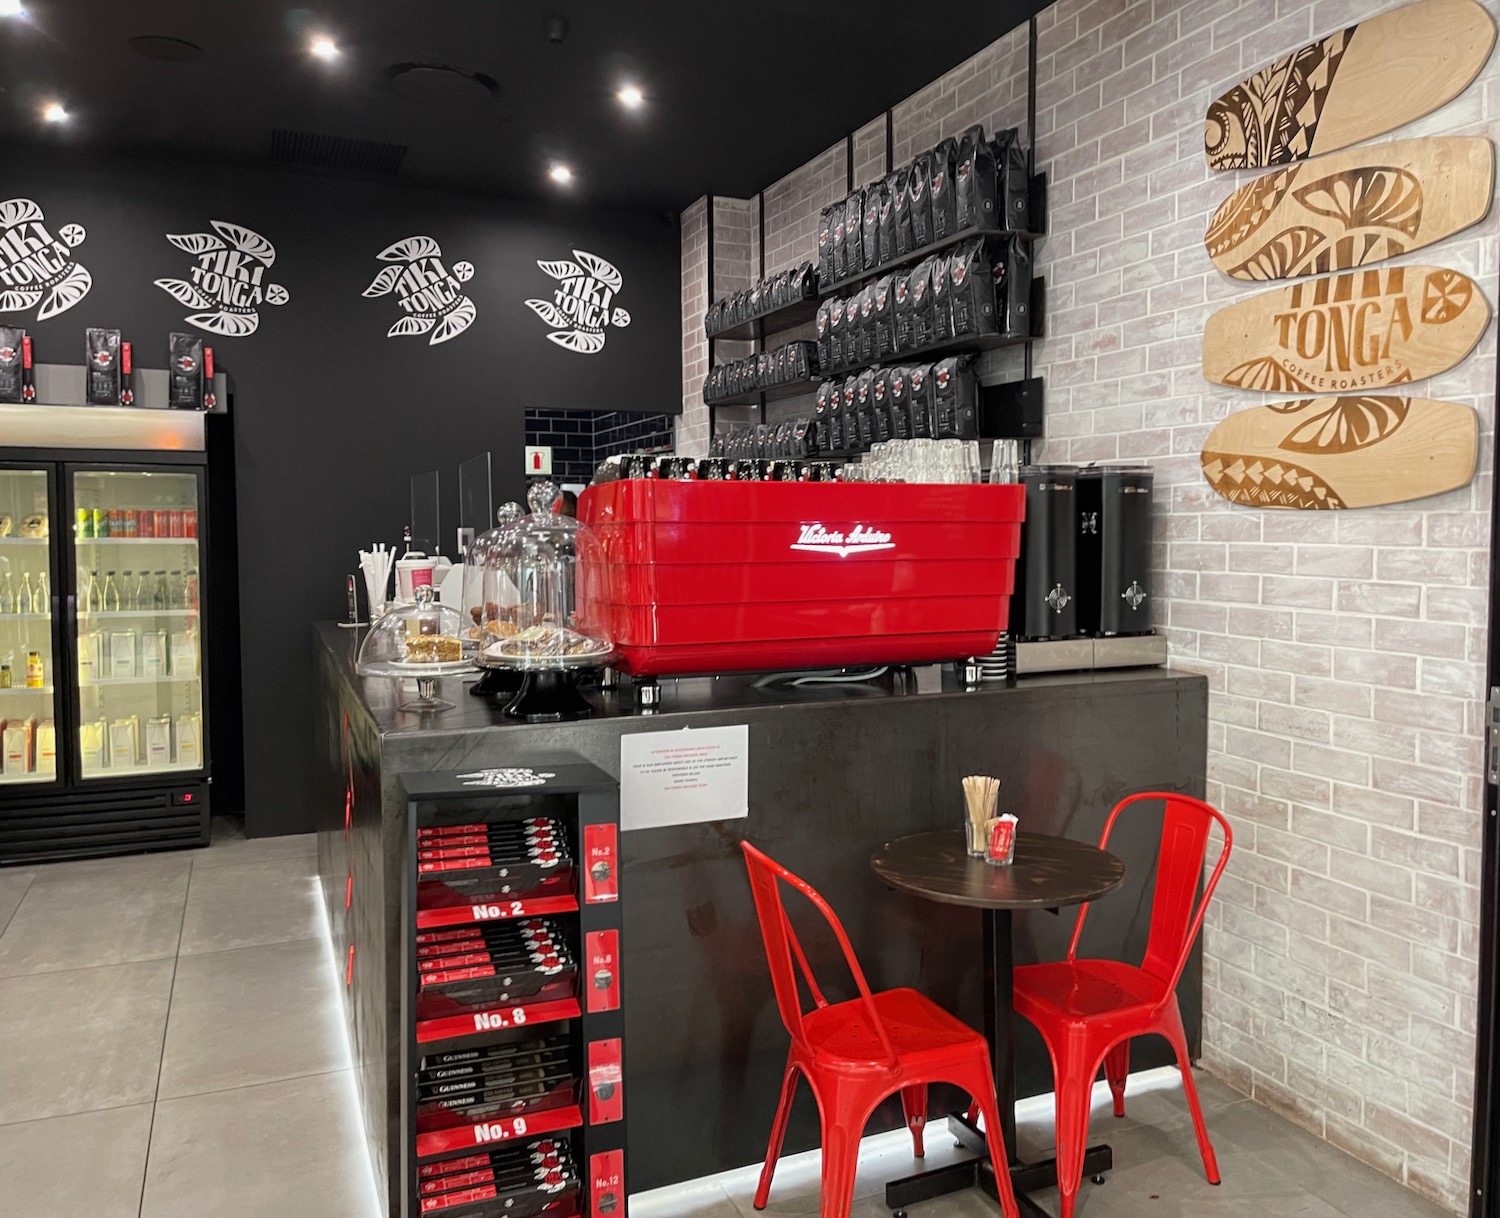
914,1105
1074,1095
778,1133
986,1105
972,1114
840,1164
1116,1067
1190,1088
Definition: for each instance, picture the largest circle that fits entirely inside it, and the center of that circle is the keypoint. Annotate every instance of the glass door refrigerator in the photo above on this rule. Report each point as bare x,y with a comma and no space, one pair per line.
102,673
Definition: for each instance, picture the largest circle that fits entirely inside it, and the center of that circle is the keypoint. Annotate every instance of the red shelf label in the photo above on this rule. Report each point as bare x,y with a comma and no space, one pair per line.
606,1082
602,979
606,1182
601,869
496,1020
494,911
465,1137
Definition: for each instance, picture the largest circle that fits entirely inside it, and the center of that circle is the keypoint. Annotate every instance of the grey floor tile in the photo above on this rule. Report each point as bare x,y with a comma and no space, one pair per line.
81,1040
249,1016
695,1199
287,1148
249,904
13,886
97,912
299,850
92,1163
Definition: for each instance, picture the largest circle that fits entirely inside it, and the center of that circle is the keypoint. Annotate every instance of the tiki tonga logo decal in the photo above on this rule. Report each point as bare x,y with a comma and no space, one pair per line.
431,296
228,280
583,303
37,268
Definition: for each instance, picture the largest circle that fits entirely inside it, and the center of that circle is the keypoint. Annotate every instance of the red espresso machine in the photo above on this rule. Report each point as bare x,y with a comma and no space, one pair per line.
715,576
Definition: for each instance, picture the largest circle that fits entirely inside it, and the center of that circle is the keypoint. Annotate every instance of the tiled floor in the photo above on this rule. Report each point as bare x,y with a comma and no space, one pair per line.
170,1048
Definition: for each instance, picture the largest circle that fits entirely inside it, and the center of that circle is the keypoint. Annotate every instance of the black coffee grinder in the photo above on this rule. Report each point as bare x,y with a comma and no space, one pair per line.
1114,550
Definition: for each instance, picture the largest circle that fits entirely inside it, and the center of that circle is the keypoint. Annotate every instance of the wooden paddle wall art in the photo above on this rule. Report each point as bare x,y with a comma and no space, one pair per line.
1352,208
1352,333
1360,82
1342,452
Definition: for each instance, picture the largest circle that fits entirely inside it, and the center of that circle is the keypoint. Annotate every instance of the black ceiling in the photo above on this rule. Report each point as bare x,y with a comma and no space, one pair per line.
737,93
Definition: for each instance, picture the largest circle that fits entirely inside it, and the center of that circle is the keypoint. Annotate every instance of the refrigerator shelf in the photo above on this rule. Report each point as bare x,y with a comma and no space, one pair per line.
165,678
31,776
25,617
26,689
113,613
23,541
137,541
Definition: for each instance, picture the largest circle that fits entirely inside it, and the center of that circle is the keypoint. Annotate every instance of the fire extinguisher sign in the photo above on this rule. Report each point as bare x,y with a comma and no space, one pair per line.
538,459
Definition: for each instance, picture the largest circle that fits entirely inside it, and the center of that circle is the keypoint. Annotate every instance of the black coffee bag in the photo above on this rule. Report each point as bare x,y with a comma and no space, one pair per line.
854,227
901,211
11,338
867,337
874,195
899,379
942,310
825,245
865,408
836,350
185,365
851,414
885,318
906,322
804,283
1013,304
921,201
880,406
944,197
825,358
840,241
823,417
888,219
101,379
955,400
971,290
1012,181
918,407
975,178
921,304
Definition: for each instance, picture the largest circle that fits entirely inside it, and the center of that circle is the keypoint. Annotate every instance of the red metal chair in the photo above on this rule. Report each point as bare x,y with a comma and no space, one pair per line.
1088,1010
856,1053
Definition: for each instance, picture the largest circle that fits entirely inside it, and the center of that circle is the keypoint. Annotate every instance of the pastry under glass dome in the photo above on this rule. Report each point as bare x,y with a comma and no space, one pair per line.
421,641
530,605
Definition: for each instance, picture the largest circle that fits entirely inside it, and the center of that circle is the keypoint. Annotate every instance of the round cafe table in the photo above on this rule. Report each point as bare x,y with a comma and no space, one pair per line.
1048,873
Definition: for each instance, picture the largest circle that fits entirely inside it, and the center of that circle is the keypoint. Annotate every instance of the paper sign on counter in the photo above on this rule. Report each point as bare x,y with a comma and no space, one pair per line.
683,778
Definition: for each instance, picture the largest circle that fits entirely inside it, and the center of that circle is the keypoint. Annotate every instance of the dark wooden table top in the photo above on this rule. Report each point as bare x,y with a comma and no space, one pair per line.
1048,872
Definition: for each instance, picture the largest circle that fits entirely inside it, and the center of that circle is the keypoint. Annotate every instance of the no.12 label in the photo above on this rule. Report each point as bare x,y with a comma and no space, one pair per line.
607,1181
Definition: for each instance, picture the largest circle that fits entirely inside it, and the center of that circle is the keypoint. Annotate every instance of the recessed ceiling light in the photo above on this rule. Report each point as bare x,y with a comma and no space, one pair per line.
54,113
12,8
325,49
560,173
631,97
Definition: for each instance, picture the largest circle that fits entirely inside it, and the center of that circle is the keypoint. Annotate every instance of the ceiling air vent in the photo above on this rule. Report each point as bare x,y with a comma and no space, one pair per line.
335,152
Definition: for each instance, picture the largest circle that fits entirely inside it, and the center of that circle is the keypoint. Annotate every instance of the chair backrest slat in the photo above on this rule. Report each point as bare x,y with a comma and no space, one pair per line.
784,951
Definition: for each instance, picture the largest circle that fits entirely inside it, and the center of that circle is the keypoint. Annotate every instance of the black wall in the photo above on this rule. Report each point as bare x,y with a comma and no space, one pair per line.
331,417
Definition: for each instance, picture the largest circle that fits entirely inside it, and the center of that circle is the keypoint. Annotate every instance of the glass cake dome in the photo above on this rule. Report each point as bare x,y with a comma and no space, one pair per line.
423,640
480,607
531,573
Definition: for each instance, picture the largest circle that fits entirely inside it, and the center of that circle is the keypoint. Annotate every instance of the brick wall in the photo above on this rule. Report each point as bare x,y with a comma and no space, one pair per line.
1345,651
580,439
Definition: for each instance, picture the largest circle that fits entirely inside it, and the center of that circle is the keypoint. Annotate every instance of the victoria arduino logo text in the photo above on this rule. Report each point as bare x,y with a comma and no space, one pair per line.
858,539
583,303
227,280
37,268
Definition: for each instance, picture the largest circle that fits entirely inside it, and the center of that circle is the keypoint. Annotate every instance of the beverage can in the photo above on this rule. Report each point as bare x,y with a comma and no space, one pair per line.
116,522
132,525
101,523
163,523
174,523
1001,848
145,523
190,522
85,522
